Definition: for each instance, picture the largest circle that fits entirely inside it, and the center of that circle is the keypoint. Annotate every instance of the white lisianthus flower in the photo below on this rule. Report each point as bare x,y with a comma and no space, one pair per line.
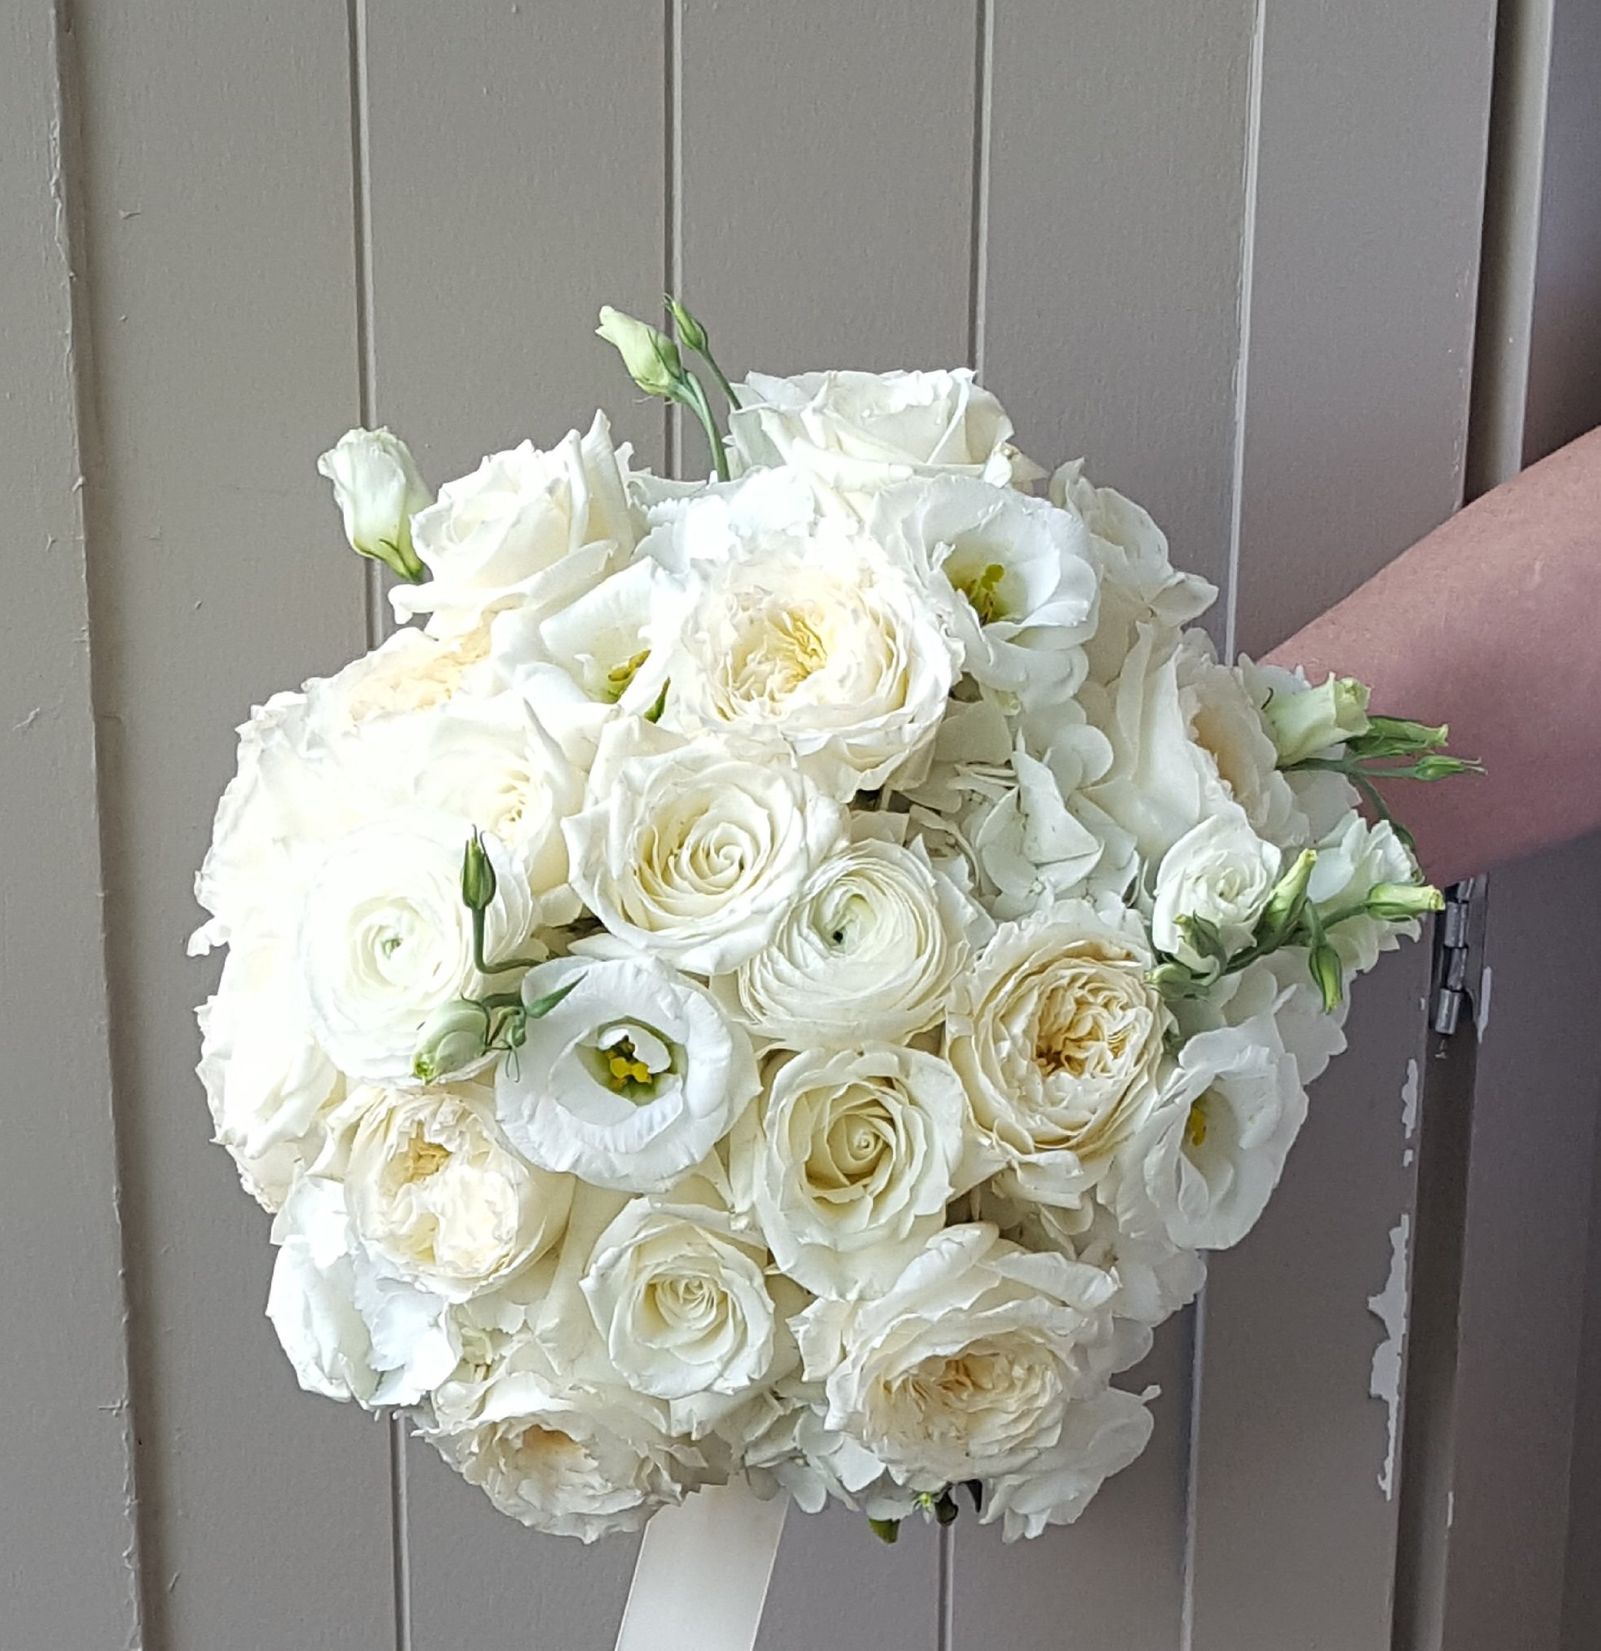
1057,1034
1206,1159
1188,742
1138,584
350,1332
849,1161
378,491
384,938
1101,1435
436,1193
869,949
859,431
1306,721
1351,863
561,1455
1221,872
630,1080
267,1082
498,537
679,1296
1022,590
801,633
690,854
967,1366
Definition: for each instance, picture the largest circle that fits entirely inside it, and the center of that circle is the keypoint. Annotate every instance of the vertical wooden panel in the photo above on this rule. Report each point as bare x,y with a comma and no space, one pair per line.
515,164
219,266
68,1550
1363,260
1110,328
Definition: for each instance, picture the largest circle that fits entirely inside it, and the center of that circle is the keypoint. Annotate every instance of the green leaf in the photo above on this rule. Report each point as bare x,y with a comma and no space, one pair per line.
886,1530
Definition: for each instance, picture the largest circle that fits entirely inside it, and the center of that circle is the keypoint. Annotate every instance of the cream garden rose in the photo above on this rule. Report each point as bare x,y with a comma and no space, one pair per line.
849,1160
1057,1033
869,948
690,853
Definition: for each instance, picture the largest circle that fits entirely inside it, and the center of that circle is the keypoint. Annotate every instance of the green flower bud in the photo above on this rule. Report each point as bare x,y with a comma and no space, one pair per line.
453,1037
1303,724
1395,736
1437,766
1400,902
689,329
650,356
477,875
378,491
1328,973
1282,913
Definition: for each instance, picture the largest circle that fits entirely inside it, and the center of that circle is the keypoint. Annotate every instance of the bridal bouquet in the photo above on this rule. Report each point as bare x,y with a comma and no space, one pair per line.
785,974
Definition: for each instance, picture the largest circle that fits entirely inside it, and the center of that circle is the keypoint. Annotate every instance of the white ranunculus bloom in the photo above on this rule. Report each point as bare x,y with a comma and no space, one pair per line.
1221,872
437,1194
859,431
869,949
801,633
849,1161
267,1082
1101,1435
559,1454
678,1294
378,491
1057,1034
1188,742
1139,585
968,1364
350,1332
496,538
689,853
384,937
1023,592
630,1080
1351,862
1213,1148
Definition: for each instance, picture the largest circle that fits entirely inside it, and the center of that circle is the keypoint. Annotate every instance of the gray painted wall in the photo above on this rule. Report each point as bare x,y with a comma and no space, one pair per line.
1231,259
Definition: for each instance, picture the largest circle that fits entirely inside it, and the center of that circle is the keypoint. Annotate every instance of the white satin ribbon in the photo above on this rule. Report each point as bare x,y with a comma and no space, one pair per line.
701,1579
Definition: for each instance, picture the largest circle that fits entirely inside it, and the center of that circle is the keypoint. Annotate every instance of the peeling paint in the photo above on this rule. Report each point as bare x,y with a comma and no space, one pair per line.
1389,1306
1409,1112
1486,981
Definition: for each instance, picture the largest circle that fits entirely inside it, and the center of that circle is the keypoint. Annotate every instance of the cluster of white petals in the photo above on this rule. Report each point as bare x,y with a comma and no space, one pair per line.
785,975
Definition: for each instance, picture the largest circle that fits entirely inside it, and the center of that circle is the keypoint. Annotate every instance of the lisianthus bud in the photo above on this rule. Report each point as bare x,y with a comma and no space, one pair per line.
378,492
650,356
1285,904
689,329
1328,973
1400,902
1302,724
477,875
452,1039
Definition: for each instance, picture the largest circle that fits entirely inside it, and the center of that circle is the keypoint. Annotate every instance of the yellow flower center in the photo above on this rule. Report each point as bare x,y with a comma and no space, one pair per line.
620,676
983,590
1196,1124
625,1065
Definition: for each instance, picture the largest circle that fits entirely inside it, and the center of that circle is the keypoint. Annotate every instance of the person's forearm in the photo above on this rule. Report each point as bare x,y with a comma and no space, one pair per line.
1493,624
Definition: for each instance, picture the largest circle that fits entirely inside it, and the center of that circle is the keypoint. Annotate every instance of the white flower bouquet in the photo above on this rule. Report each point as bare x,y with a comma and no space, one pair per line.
785,974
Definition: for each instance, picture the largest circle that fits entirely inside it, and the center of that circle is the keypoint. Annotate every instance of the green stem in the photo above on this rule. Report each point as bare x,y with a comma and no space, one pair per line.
692,394
483,965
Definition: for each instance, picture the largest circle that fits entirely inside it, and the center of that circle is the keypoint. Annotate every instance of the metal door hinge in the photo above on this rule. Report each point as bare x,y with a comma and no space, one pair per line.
1458,950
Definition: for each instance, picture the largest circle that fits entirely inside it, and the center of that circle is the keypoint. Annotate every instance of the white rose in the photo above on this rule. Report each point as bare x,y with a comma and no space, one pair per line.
267,1081
1022,591
565,1457
690,854
680,1298
1188,742
857,431
869,949
436,1193
1057,1034
630,1080
966,1367
1351,862
1101,1435
803,633
408,671
1212,1150
349,1332
1139,585
499,537
378,491
849,1161
385,939
1221,872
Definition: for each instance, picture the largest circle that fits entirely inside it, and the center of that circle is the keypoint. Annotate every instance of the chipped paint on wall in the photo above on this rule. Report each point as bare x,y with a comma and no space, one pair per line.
1390,1307
1410,1089
1486,981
